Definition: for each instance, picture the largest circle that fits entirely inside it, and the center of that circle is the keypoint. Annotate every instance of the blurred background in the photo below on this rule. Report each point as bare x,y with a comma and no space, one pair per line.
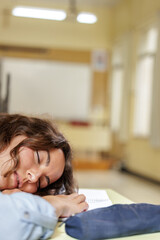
99,81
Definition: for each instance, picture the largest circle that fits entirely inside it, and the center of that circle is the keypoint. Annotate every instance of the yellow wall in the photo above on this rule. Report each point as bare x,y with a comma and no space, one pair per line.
129,16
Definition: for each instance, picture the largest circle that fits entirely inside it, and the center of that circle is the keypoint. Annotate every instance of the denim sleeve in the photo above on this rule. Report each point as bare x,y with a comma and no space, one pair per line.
24,216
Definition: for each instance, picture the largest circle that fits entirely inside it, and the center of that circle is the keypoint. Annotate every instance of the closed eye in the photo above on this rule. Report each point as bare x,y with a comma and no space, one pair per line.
46,177
38,158
47,180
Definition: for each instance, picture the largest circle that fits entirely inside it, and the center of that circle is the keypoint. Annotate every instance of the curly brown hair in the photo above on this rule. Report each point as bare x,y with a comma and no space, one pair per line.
42,134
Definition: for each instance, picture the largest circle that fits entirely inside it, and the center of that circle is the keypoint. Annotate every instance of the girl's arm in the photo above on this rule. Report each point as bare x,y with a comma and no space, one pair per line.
27,216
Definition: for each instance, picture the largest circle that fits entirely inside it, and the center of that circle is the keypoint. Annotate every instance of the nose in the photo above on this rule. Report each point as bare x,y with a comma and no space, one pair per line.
33,176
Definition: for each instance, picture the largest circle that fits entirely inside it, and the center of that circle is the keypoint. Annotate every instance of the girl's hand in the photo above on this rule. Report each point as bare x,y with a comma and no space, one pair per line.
67,205
10,191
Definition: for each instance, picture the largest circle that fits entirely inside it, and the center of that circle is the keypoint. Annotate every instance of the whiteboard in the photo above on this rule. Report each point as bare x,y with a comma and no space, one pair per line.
60,89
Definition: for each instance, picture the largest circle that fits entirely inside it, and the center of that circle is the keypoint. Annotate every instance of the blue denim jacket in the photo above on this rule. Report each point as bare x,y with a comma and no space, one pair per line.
24,216
118,220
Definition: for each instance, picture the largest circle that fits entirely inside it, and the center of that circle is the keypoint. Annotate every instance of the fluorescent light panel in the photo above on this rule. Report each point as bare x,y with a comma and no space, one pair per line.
85,17
42,13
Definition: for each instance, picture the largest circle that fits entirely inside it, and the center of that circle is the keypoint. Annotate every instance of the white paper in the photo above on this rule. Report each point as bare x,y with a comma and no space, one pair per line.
96,198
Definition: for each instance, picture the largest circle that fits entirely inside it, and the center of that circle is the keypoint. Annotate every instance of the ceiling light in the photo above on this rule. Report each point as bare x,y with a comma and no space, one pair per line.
85,17
42,13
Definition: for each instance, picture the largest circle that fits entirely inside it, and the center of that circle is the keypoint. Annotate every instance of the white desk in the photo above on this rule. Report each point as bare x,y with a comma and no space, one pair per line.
115,198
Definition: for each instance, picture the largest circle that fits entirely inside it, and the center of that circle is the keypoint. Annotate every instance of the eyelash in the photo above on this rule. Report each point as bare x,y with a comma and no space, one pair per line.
48,181
38,157
38,163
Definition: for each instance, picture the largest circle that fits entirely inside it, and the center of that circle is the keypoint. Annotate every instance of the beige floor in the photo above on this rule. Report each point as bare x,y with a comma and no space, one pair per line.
132,187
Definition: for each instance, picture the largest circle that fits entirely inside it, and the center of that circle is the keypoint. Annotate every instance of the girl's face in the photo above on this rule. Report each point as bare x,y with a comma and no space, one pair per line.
35,169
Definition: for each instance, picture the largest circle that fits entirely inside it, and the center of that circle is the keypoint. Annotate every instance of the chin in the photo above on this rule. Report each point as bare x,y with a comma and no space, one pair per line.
28,190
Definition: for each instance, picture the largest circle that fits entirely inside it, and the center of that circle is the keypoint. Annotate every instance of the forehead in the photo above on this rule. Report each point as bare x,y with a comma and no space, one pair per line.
16,140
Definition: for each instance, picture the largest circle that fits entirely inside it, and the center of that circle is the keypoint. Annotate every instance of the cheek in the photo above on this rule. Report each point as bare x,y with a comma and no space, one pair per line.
26,159
29,188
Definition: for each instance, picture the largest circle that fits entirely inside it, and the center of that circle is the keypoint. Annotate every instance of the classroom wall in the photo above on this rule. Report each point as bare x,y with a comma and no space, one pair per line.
61,41
75,42
53,40
138,154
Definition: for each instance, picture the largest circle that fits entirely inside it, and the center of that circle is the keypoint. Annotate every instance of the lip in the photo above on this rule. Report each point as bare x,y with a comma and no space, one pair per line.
18,180
15,180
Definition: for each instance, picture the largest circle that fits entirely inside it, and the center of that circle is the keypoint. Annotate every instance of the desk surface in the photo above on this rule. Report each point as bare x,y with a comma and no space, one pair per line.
115,198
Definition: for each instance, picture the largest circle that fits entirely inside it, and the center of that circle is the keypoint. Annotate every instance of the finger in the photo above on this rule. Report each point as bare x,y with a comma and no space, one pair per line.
83,207
69,196
11,191
80,198
73,195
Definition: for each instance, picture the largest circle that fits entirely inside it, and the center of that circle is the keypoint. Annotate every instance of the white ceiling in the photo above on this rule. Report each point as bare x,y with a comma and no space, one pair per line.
88,2
79,3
